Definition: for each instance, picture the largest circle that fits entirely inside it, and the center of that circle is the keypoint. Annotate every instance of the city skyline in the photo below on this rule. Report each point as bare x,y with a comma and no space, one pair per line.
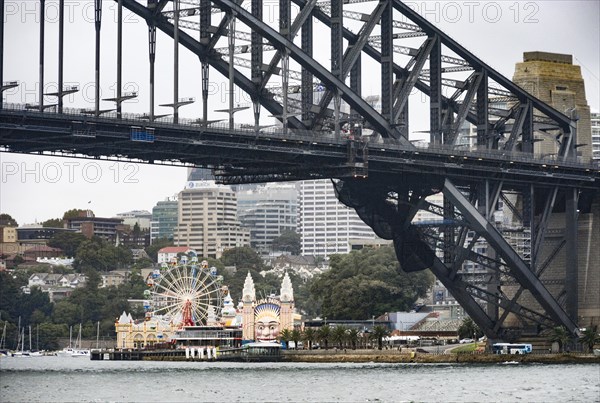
108,188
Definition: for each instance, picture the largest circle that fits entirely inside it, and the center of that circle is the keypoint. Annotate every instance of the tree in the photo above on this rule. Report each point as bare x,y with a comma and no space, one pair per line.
590,338
136,230
53,223
7,221
157,244
288,241
65,312
368,282
353,336
469,329
242,258
378,333
339,335
324,334
69,242
561,336
308,336
75,213
99,255
295,336
285,336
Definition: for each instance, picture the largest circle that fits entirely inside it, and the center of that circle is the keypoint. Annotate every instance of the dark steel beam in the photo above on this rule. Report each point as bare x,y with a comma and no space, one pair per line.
152,60
413,76
473,84
205,21
571,266
176,62
61,46
307,78
256,55
1,51
483,138
518,127
97,25
120,55
42,45
387,62
435,97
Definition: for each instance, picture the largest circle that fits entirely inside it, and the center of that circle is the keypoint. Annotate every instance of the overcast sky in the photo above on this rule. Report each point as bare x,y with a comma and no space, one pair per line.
37,188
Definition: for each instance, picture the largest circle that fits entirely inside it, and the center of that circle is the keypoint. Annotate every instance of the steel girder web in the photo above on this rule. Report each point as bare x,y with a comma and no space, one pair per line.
354,100
206,53
389,209
518,268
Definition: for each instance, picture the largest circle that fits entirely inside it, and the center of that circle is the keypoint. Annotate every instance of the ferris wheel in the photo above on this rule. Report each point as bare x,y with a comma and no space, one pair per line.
185,294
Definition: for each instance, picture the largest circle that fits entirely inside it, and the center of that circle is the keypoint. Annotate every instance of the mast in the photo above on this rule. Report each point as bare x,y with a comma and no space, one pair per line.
98,335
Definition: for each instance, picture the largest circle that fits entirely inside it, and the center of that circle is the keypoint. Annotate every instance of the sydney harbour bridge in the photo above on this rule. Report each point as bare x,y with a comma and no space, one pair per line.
328,129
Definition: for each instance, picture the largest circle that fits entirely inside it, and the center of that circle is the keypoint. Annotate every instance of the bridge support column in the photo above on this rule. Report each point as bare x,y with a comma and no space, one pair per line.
205,20
571,267
307,79
152,58
1,50
435,97
231,43
176,61
97,25
61,43
119,56
42,42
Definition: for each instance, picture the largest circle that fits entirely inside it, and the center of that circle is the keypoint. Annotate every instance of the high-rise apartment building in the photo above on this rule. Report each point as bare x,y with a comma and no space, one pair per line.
595,120
267,212
164,219
208,220
325,225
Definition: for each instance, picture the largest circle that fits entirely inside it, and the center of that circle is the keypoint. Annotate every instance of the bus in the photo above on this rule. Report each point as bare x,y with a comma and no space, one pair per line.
511,348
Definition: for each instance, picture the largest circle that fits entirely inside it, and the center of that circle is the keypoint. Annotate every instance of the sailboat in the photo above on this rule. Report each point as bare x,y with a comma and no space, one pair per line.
21,345
3,350
78,351
67,351
33,353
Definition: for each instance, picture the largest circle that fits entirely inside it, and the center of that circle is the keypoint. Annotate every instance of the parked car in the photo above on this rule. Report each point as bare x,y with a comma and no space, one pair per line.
465,341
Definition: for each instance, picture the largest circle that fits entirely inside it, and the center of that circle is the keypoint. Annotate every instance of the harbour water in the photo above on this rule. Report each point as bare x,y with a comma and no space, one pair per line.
66,379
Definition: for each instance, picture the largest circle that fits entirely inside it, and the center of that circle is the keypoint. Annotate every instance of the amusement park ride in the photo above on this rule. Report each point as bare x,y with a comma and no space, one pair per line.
185,292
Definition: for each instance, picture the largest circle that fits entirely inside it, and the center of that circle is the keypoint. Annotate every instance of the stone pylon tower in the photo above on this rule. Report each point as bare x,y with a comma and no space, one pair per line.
287,303
248,299
554,79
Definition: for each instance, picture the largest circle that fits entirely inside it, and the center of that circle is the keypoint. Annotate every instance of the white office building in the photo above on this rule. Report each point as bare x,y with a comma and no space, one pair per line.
207,219
595,119
325,224
268,211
